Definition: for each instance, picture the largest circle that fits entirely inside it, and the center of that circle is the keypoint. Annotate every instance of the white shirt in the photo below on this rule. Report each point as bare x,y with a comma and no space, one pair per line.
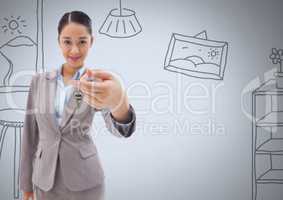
63,92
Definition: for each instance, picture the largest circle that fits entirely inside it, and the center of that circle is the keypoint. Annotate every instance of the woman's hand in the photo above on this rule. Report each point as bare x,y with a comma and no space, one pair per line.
101,89
28,196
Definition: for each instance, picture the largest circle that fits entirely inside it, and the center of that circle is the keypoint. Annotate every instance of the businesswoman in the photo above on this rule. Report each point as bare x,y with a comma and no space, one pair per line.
59,160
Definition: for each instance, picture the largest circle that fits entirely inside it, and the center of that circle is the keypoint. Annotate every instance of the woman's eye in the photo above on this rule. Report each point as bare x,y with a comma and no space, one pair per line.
67,42
83,42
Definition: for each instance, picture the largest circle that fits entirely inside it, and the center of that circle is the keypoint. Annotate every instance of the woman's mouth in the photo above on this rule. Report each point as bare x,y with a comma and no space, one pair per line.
74,58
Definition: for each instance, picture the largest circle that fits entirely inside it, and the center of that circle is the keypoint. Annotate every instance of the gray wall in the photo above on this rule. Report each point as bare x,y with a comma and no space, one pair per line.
194,136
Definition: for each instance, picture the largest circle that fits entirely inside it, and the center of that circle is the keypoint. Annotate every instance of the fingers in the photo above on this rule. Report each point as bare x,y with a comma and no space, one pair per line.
96,86
88,86
89,81
93,81
99,74
93,101
98,95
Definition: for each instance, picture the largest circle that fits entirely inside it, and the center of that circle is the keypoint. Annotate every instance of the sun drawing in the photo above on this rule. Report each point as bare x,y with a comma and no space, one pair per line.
13,24
213,53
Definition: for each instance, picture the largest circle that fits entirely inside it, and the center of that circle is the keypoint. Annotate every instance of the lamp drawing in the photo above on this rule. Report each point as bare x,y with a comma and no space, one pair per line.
121,23
13,88
11,117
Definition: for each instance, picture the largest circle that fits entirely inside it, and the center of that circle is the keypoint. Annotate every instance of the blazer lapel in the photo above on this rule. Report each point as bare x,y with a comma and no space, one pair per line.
50,96
73,108
69,109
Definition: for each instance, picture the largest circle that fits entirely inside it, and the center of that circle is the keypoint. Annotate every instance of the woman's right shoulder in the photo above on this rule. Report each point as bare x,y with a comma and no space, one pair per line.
41,77
46,75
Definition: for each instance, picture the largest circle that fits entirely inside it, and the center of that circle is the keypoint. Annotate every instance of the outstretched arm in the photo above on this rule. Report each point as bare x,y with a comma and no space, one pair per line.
103,91
121,128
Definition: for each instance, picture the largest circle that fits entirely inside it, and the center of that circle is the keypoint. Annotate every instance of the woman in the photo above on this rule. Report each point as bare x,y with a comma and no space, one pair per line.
59,159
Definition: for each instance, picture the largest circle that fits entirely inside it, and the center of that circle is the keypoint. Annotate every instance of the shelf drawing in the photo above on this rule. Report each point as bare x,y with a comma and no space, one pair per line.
271,176
274,118
274,145
269,88
196,56
266,125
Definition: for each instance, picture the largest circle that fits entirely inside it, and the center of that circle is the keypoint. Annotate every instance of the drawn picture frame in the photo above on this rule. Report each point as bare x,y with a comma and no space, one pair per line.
192,50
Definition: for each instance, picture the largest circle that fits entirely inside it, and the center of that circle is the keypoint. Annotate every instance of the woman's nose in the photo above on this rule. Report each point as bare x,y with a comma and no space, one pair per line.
74,49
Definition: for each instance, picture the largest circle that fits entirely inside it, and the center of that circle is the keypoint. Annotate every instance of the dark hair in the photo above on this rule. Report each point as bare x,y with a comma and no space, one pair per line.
77,17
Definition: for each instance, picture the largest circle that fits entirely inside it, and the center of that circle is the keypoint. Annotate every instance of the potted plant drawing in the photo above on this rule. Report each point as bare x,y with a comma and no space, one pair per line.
276,57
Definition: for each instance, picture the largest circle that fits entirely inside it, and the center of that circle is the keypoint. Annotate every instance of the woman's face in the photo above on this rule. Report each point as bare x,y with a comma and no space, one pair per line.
75,42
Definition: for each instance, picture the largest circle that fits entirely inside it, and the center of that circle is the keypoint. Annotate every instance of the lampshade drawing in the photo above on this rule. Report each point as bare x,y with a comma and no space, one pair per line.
121,23
13,51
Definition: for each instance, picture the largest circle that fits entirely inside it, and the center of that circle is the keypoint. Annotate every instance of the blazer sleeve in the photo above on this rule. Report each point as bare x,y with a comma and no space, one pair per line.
29,141
120,129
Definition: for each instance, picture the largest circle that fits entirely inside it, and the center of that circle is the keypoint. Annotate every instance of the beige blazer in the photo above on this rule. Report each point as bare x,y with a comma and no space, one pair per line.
43,140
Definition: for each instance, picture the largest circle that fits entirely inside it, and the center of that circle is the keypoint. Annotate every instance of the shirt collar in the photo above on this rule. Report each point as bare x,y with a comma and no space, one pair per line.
76,76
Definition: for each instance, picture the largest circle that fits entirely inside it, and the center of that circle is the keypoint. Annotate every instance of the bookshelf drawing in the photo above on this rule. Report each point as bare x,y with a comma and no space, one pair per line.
267,137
